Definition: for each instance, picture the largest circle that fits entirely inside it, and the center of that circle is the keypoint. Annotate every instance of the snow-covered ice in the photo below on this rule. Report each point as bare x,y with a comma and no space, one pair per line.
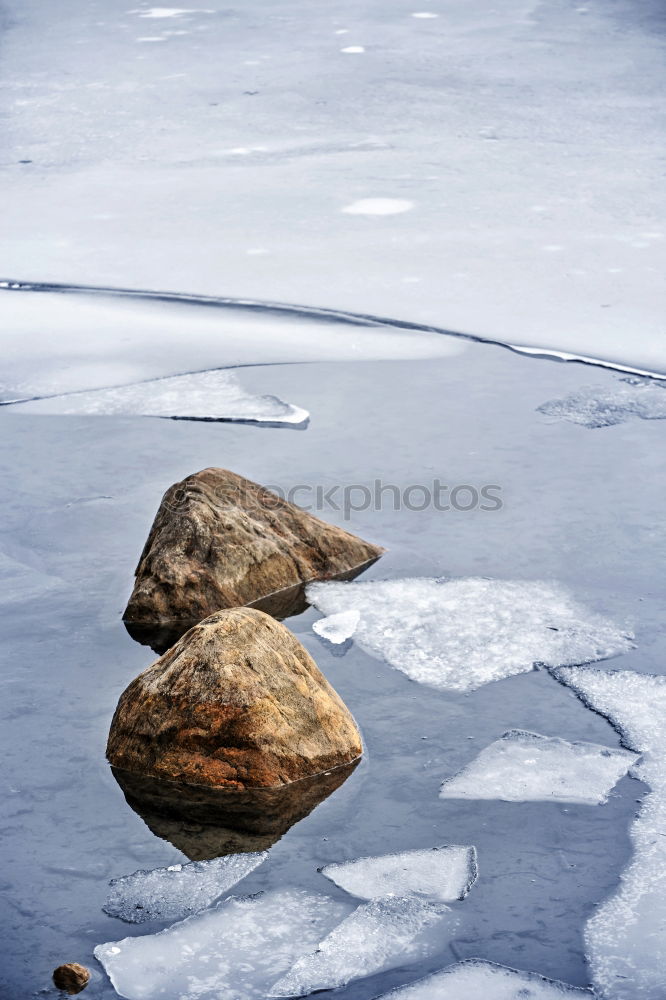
212,395
337,628
528,767
379,935
474,979
444,873
179,890
54,342
562,151
460,634
625,938
233,951
604,406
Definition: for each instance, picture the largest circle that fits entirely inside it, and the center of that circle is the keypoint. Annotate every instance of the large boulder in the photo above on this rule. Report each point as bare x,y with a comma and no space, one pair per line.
237,703
221,541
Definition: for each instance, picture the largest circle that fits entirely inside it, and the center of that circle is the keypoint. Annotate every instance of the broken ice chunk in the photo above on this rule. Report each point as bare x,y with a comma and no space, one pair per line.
231,952
625,938
379,935
211,395
471,979
443,873
527,767
174,892
460,634
604,406
338,627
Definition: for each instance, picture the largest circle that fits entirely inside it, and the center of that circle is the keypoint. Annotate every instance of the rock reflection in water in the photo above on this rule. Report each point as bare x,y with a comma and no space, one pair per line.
206,823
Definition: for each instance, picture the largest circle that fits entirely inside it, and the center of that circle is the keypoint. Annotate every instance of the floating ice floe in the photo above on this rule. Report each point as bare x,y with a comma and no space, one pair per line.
213,395
379,935
528,767
625,939
460,634
472,979
179,890
339,627
442,873
604,406
233,951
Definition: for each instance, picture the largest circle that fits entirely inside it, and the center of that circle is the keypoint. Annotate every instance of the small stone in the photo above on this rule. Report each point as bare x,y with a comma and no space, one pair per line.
71,978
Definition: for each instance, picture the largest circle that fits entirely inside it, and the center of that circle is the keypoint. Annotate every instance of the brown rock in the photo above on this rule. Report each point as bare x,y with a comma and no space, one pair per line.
71,978
221,541
237,703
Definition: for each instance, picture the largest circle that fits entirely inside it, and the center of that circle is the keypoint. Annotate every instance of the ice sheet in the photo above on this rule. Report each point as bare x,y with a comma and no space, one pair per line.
337,628
55,342
379,935
460,634
536,191
528,767
625,939
604,406
472,979
231,952
443,873
179,890
213,395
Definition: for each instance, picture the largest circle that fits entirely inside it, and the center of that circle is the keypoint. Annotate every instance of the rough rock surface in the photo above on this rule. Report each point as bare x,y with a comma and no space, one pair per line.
220,541
237,703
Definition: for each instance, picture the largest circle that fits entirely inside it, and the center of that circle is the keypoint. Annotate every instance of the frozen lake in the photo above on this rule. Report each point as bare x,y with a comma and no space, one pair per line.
580,507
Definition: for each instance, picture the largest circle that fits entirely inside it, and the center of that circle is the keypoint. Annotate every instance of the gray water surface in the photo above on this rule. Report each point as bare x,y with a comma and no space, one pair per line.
582,507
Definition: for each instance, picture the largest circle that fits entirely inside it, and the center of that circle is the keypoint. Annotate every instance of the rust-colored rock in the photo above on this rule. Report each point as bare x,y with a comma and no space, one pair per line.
71,978
237,703
221,541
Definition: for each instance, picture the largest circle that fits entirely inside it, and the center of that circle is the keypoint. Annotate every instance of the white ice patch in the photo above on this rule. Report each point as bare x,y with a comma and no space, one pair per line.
442,873
460,634
377,206
527,767
353,49
425,14
472,979
159,12
604,406
231,952
339,627
214,395
179,890
625,939
379,935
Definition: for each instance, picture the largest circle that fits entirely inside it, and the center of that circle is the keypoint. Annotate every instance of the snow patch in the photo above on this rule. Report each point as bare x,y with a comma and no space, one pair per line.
528,767
460,634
